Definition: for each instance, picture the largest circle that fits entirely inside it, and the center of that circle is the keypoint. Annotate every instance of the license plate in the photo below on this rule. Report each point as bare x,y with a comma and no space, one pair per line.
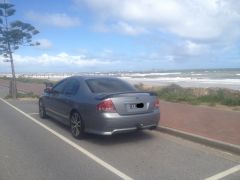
132,106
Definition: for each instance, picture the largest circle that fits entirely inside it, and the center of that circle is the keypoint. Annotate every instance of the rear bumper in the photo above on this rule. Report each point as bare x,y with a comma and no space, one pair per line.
127,130
113,123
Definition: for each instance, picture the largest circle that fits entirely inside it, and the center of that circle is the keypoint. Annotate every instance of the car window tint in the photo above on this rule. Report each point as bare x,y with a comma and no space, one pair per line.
59,87
108,85
71,87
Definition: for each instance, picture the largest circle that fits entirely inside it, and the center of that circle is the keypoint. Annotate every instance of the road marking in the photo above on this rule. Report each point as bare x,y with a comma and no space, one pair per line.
33,113
76,146
225,173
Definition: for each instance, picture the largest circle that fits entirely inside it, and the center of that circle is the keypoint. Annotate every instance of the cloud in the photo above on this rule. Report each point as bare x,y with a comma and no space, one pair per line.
45,44
61,59
120,27
57,19
189,48
128,29
175,31
59,62
201,20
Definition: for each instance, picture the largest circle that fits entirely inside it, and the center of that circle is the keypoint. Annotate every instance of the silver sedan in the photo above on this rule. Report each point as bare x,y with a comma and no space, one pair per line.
99,105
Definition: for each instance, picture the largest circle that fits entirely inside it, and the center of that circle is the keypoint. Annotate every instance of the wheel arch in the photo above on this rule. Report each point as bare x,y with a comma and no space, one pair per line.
75,110
41,98
83,122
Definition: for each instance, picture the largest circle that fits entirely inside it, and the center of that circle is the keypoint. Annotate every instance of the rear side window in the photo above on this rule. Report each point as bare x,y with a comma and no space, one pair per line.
108,85
59,86
71,87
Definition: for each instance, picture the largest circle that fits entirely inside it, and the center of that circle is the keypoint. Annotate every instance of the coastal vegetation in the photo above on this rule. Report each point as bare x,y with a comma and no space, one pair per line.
28,80
24,95
195,96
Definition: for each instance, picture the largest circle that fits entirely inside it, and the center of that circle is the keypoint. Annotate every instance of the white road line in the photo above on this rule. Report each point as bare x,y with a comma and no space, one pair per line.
225,173
76,146
33,113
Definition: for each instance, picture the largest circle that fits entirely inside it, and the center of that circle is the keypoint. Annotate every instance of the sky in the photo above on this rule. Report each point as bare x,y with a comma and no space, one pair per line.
128,35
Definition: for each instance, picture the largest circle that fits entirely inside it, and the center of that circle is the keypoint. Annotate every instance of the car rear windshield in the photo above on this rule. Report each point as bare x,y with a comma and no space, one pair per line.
108,85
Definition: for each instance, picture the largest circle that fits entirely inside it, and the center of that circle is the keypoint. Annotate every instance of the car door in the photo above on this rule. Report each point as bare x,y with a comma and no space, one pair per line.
65,101
52,100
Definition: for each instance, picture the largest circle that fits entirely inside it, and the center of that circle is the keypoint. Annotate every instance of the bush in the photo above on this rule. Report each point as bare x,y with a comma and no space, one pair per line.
210,96
175,93
222,96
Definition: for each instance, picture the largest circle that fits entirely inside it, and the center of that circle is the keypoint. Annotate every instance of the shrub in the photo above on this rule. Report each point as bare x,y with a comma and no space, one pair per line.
195,96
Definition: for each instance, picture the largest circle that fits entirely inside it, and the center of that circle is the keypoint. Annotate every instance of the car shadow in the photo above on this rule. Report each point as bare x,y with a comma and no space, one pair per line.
132,137
117,139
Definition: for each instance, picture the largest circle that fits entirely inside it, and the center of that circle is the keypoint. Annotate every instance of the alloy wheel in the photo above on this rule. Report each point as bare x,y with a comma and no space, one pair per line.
76,125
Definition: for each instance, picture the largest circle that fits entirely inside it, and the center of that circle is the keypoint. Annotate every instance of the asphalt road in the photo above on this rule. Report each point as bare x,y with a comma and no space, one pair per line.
3,91
30,151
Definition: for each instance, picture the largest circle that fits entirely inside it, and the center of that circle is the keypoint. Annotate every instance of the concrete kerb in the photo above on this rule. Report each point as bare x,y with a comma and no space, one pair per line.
231,148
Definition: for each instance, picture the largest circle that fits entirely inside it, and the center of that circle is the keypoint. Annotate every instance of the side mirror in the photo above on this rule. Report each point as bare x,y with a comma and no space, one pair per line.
48,90
48,84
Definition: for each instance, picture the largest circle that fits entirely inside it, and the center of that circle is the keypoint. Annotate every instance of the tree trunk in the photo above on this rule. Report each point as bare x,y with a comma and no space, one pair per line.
13,83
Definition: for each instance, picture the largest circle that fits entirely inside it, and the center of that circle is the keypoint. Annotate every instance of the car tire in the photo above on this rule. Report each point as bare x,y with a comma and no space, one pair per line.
42,111
77,125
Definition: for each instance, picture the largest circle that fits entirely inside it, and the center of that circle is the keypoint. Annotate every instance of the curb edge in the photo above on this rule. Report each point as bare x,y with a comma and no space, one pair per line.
231,148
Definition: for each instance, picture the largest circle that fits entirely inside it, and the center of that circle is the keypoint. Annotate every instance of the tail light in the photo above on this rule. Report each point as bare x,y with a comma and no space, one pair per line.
106,106
157,104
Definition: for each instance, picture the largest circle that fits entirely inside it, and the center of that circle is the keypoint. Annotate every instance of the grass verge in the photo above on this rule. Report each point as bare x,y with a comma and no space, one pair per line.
29,80
23,95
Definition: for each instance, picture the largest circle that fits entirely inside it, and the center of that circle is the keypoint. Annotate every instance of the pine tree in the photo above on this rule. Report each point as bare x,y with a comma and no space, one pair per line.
13,35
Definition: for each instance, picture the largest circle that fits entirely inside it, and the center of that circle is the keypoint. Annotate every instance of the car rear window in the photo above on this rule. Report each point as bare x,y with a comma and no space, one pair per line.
108,85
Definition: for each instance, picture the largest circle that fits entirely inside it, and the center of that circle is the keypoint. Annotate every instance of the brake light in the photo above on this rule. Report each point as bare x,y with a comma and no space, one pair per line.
106,106
157,104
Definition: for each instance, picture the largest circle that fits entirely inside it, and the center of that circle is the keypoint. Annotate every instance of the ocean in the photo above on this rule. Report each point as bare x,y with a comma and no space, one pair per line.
222,78
204,78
